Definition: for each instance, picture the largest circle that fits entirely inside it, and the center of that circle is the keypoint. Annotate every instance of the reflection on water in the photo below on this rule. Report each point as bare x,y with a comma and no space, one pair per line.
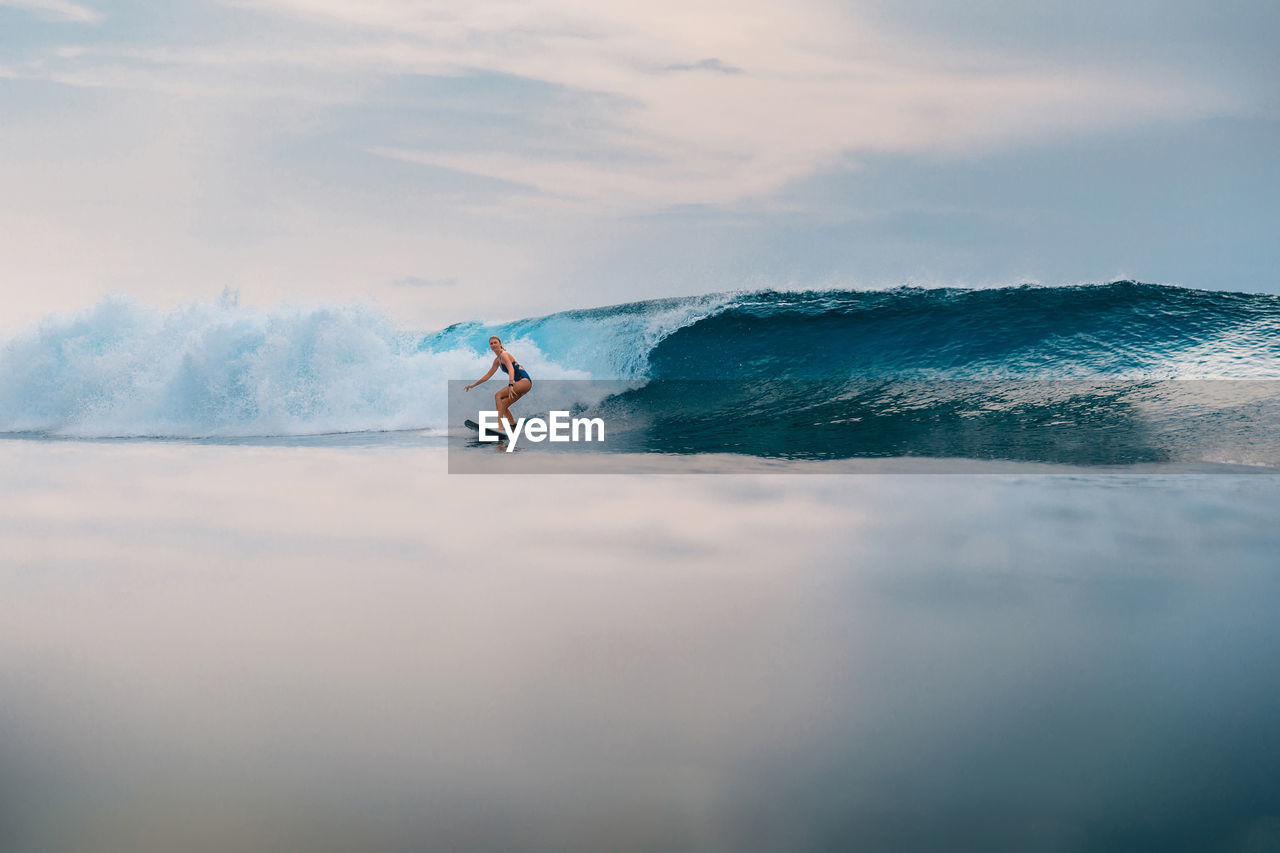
336,648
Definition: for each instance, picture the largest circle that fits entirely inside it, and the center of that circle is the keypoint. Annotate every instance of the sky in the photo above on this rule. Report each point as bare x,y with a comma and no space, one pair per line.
492,160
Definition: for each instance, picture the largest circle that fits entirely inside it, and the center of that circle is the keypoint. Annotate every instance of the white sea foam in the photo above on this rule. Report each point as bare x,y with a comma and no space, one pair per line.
119,369
597,343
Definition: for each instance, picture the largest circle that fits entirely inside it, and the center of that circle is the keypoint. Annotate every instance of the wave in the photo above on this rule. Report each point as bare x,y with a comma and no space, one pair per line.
1123,329
614,342
222,370
119,369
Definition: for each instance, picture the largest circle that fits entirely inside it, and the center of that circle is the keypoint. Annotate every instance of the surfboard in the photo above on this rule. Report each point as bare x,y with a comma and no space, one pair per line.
470,424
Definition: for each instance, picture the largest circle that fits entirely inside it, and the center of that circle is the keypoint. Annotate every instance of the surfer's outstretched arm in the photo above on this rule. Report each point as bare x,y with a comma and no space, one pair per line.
483,379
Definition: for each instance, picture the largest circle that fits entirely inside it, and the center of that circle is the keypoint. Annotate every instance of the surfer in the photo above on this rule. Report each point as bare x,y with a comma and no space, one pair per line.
518,381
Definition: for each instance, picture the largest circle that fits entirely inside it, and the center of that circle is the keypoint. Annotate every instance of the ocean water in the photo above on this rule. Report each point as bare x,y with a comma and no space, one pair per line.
245,607
1121,373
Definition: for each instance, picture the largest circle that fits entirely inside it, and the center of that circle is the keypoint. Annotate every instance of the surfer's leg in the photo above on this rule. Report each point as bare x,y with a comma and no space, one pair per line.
502,400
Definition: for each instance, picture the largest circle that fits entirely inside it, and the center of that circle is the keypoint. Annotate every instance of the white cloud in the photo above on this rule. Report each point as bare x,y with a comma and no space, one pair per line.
813,84
58,10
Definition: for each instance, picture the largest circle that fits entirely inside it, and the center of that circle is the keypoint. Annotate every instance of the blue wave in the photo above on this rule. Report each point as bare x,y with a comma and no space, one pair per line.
1120,329
1076,375
223,370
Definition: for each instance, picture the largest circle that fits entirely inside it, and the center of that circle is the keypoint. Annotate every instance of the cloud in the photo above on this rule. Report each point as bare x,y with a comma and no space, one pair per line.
710,64
57,10
799,89
785,92
419,281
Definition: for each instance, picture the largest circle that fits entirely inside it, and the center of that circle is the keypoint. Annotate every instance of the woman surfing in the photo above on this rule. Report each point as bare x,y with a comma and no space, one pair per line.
518,381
